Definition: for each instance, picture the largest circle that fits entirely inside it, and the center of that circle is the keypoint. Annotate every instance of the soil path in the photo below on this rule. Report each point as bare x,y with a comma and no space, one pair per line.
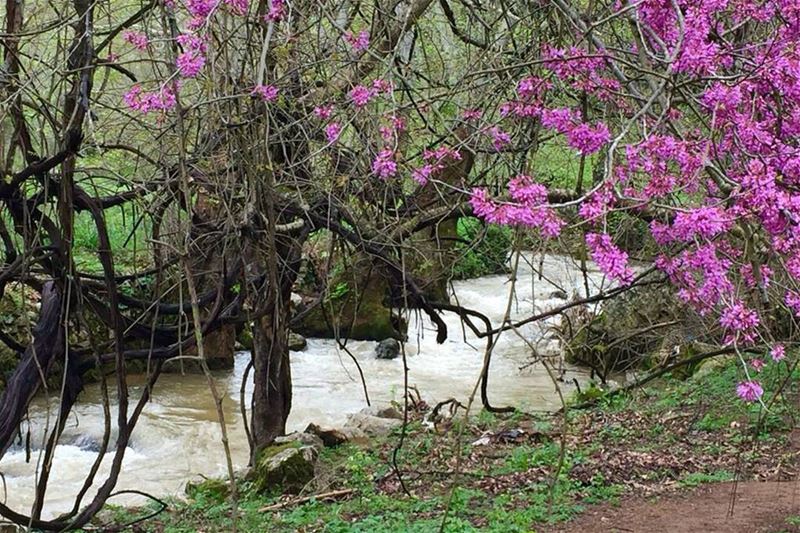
761,507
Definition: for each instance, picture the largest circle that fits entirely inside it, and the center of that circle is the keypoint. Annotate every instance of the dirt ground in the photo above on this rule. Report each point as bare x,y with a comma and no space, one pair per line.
756,506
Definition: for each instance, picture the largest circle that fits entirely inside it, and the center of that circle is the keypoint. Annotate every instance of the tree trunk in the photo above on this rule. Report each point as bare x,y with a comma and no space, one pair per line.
272,394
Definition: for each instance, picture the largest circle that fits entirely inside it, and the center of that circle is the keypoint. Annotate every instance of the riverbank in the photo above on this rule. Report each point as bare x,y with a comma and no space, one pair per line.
523,472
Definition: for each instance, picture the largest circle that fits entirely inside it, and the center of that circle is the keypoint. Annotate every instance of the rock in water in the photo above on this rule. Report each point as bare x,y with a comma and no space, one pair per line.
287,465
387,349
297,343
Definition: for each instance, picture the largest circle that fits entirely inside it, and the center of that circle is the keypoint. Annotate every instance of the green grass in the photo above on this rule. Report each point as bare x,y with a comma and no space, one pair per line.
698,478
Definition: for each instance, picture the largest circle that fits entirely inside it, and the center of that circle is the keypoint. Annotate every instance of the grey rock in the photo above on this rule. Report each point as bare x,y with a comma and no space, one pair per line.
297,343
367,422
558,295
304,439
288,464
387,349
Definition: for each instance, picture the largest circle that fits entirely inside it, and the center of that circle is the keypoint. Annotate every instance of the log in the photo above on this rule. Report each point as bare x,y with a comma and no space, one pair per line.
333,495
47,346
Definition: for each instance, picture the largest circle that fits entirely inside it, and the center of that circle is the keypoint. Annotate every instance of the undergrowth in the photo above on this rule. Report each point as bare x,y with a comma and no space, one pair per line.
674,435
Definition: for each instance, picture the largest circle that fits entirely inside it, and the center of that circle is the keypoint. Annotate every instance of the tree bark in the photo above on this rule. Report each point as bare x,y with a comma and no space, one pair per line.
47,346
272,394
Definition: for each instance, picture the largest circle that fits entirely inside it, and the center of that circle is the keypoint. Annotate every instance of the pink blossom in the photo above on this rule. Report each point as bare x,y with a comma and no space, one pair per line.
398,123
434,163
384,165
332,132
382,86
792,300
532,88
749,391
598,204
778,353
500,138
190,64
277,10
611,260
361,95
323,112
423,174
588,139
740,320
357,42
138,39
530,208
561,119
191,61
268,93
201,9
144,102
749,276
757,364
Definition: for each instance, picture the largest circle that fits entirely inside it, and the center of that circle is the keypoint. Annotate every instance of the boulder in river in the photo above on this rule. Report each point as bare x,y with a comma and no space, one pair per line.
297,343
387,349
287,465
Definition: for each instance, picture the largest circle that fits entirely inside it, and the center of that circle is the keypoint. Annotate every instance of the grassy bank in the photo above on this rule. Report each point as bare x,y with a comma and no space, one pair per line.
523,472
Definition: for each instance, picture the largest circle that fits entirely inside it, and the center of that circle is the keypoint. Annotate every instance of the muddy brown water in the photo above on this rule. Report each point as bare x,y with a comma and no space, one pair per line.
178,437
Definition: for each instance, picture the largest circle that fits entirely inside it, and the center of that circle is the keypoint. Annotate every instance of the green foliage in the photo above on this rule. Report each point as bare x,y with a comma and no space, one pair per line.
698,478
487,252
339,291
525,457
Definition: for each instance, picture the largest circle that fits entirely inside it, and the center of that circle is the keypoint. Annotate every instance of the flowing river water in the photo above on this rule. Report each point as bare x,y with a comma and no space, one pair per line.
178,437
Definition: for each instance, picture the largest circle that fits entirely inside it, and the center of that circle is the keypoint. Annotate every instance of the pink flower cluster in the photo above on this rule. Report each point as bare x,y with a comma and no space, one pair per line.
358,42
276,12
268,93
384,166
324,112
530,207
611,260
145,102
396,125
191,61
598,204
699,223
701,274
749,391
434,163
500,138
361,95
585,138
138,39
740,322
201,9
332,132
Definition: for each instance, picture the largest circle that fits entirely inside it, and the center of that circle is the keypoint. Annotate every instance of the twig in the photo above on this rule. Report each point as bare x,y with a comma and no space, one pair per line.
335,494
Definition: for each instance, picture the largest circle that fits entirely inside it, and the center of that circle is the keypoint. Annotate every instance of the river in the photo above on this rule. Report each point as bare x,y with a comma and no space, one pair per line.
178,437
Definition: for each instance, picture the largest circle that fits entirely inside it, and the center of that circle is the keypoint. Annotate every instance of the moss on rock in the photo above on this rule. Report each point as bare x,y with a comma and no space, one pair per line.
286,467
211,489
